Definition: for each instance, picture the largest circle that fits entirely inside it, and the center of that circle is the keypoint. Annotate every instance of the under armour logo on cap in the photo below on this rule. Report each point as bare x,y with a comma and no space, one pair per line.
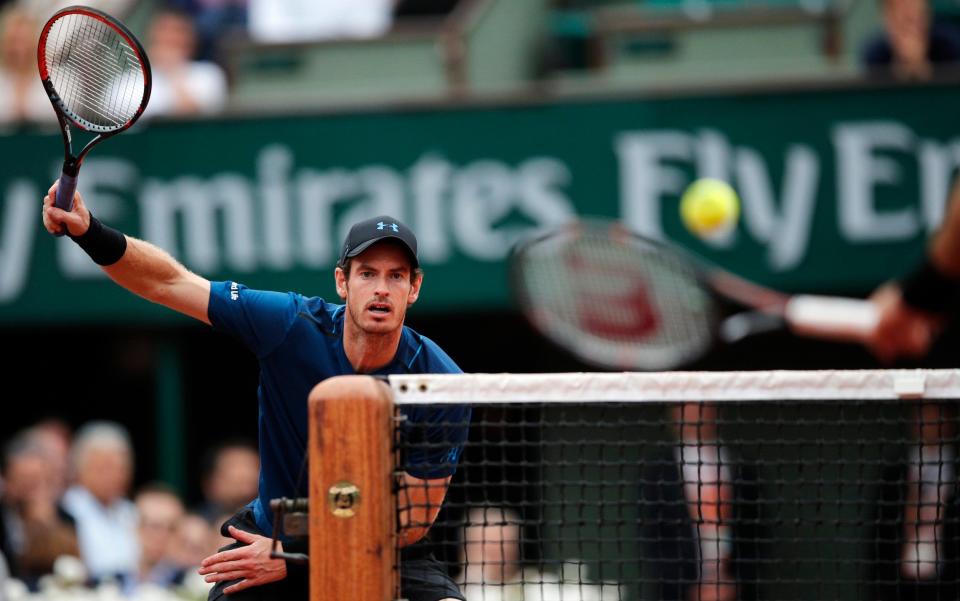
368,232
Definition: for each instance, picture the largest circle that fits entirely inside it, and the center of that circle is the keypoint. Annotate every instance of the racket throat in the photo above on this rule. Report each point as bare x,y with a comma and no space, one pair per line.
743,325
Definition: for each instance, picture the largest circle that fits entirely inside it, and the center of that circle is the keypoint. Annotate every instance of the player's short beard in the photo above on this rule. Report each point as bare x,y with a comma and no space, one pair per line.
359,323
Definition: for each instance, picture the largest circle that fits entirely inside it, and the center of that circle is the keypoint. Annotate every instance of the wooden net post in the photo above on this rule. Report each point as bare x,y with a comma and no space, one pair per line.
352,498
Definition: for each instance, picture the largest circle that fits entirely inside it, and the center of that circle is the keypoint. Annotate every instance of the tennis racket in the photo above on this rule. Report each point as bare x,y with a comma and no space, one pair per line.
97,77
618,300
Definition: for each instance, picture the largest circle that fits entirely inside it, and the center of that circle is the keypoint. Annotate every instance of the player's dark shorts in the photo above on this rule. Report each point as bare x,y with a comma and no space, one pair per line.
422,577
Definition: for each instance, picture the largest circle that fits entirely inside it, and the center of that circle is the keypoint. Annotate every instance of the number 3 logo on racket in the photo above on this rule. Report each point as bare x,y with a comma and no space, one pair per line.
97,77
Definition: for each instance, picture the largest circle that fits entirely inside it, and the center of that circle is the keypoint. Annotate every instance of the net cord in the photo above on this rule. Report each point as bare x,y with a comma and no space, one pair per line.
654,387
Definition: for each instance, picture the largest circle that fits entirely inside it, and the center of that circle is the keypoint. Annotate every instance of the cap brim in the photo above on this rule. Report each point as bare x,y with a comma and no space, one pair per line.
365,245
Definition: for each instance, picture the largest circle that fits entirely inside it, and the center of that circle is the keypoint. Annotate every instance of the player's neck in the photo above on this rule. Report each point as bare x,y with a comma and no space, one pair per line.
368,352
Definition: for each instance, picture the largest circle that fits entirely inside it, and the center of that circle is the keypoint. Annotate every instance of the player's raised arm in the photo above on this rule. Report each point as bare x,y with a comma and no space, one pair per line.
140,267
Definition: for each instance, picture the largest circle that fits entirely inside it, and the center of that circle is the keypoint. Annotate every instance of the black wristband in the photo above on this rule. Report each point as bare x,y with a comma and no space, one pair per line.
104,244
928,289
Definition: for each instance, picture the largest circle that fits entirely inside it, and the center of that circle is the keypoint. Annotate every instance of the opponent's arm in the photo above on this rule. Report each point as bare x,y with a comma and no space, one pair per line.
911,312
944,249
419,503
140,267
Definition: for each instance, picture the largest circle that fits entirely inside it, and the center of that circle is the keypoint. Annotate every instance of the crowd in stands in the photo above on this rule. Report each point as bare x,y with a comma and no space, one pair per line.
22,97
68,520
185,41
182,83
72,526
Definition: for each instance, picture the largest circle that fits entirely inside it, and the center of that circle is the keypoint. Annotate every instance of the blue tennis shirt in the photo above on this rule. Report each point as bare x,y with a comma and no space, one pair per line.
299,342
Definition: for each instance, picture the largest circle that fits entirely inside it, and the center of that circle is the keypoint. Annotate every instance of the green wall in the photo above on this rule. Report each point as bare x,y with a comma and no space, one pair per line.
839,188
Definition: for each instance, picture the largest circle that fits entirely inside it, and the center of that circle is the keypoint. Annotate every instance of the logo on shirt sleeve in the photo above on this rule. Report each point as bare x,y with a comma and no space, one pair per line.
234,291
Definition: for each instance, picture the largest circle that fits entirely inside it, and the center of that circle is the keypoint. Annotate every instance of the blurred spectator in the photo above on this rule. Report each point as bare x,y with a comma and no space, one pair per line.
181,85
492,568
491,553
106,520
218,536
214,21
160,511
22,97
912,44
231,477
699,514
44,9
35,529
285,21
54,435
194,540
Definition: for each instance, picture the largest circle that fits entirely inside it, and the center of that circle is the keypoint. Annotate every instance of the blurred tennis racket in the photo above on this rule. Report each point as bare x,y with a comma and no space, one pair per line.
97,76
620,301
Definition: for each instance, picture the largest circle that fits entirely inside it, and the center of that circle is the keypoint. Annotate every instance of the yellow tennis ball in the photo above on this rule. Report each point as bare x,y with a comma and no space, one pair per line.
709,207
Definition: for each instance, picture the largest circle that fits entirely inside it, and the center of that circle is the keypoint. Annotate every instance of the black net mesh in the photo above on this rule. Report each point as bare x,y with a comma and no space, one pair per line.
95,71
753,500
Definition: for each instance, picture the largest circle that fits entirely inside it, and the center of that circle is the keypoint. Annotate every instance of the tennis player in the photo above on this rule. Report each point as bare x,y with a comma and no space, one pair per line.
300,341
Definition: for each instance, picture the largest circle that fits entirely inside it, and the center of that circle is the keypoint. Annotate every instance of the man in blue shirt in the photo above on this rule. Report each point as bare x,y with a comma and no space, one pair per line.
300,341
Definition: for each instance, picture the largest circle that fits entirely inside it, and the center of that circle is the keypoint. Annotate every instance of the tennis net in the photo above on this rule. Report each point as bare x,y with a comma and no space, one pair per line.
682,485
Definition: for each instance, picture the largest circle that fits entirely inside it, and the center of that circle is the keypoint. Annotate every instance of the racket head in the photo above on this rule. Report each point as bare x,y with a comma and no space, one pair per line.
614,299
94,70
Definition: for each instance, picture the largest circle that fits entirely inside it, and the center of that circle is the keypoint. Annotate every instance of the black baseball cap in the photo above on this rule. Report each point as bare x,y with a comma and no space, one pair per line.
368,232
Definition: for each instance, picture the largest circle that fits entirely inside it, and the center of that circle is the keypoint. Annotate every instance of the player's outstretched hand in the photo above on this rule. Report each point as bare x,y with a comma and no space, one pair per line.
901,331
76,221
250,564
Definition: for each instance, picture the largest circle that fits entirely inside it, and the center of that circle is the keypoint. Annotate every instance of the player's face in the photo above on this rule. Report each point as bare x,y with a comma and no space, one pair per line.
379,289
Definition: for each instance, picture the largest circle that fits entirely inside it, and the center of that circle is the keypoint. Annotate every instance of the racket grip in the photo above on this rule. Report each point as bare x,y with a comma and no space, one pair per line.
832,318
65,191
68,185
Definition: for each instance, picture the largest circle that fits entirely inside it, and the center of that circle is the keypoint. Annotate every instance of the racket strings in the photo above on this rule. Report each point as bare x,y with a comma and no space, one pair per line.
95,71
618,301
649,298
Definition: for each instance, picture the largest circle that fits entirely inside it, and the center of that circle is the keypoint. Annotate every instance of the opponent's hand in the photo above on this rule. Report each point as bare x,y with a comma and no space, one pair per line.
76,221
901,330
250,564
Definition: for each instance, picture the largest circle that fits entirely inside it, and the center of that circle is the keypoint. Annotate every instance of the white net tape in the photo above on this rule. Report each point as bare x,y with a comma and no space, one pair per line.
678,386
